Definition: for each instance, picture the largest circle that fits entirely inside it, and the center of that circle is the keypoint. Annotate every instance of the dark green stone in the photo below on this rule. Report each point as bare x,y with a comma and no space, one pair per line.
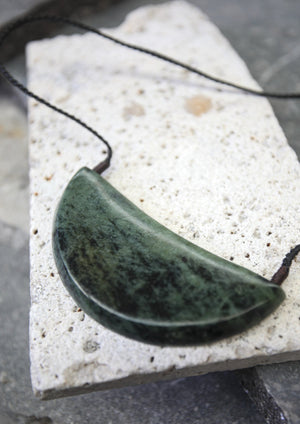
141,280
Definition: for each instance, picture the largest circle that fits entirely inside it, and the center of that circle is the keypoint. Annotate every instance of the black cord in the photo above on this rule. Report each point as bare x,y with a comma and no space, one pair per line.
284,269
59,19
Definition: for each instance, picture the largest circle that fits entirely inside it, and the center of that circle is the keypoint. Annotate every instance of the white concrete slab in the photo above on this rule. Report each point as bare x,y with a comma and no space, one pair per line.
212,165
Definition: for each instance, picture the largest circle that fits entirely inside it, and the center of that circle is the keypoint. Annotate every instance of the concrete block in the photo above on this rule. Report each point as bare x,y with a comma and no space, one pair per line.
210,163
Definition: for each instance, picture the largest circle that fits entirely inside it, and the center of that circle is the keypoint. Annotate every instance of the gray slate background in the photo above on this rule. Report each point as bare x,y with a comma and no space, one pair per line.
266,33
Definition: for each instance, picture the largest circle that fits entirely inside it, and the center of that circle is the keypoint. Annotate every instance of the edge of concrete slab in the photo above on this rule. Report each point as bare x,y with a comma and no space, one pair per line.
171,373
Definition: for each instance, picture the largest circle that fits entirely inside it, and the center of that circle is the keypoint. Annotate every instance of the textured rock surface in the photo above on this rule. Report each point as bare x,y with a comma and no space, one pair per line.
212,166
276,391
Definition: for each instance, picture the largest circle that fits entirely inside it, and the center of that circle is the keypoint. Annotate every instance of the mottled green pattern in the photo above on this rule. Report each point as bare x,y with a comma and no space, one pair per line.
138,278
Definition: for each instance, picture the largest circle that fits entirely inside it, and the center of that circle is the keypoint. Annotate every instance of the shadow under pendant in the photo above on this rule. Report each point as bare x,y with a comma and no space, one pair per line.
143,281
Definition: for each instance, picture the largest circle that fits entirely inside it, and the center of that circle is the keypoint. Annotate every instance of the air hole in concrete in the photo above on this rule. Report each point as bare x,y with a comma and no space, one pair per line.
91,346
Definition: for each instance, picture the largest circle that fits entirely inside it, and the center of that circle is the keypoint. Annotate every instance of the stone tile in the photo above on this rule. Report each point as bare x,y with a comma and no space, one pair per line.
247,236
215,398
276,391
12,9
14,179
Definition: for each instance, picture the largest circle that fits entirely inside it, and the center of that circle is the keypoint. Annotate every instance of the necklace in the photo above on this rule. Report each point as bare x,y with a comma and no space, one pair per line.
135,276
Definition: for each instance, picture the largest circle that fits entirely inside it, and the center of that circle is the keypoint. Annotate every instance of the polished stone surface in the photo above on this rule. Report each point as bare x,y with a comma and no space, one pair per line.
140,279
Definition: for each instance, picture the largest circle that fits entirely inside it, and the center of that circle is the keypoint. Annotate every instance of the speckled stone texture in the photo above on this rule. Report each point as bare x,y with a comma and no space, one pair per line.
213,166
275,389
143,281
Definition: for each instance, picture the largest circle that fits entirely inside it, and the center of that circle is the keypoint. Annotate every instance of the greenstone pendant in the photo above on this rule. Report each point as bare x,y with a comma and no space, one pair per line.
141,280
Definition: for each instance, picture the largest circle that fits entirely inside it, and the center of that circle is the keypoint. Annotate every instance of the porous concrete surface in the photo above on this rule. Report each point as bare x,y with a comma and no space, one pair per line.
213,166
